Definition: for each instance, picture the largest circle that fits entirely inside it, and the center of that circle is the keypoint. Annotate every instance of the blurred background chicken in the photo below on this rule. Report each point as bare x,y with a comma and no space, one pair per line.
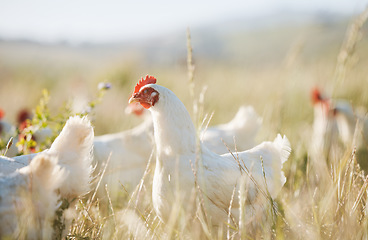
325,131
337,124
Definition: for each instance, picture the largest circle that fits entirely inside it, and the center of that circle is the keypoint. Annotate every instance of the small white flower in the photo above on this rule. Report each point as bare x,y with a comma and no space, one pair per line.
104,86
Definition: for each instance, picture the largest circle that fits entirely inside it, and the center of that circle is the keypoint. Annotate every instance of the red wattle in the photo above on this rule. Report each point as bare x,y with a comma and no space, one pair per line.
145,105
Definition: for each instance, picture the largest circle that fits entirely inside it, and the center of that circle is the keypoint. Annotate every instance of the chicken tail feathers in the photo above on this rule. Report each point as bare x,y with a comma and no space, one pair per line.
73,147
272,155
282,144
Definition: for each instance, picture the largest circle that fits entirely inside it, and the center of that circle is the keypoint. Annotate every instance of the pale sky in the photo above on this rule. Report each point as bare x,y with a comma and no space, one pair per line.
117,20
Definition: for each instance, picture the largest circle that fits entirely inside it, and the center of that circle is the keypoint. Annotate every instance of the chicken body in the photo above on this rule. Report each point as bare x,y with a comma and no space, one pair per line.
31,194
130,151
178,150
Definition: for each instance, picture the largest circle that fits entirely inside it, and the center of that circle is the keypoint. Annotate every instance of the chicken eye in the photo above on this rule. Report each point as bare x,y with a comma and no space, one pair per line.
145,91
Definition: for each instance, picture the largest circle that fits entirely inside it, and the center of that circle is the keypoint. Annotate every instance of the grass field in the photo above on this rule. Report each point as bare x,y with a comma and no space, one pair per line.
328,202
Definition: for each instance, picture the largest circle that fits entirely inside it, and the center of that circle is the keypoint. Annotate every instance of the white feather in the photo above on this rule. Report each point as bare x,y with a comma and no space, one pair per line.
242,129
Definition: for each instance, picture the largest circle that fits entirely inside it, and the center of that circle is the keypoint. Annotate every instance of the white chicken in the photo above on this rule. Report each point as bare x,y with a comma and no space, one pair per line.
176,145
31,194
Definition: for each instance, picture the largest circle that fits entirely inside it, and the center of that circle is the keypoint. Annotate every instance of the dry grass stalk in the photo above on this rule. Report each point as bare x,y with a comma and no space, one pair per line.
352,37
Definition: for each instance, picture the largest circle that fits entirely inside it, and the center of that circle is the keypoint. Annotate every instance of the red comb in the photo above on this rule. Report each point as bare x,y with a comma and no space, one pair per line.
2,113
316,95
143,82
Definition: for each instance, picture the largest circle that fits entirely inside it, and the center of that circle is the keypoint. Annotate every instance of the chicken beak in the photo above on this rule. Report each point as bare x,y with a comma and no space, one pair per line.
136,97
132,99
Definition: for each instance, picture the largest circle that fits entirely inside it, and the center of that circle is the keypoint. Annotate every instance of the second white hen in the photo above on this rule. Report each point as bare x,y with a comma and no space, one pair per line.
31,194
239,133
130,151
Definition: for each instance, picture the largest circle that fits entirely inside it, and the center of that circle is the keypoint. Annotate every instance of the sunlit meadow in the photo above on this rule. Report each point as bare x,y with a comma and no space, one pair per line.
325,197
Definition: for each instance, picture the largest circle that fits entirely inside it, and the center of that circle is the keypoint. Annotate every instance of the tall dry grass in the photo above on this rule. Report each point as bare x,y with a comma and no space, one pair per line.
322,199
